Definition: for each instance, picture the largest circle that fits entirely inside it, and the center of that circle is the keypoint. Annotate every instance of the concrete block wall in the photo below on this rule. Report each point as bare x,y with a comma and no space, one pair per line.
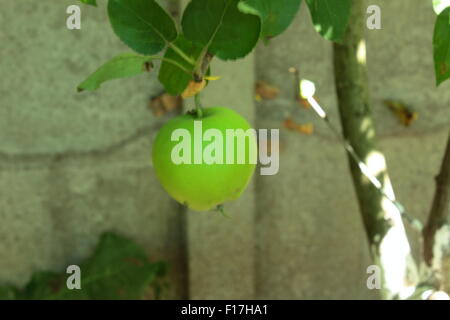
73,165
310,235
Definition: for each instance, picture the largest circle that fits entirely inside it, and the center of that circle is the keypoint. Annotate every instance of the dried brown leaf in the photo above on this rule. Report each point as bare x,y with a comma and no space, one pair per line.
266,91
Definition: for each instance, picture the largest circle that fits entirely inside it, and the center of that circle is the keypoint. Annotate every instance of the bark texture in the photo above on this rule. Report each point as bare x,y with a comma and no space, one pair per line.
382,220
437,230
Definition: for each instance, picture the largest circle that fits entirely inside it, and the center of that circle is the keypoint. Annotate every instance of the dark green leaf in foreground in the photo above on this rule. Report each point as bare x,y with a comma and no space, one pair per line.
91,2
122,66
174,79
221,28
276,15
7,293
441,46
51,285
118,269
143,25
330,17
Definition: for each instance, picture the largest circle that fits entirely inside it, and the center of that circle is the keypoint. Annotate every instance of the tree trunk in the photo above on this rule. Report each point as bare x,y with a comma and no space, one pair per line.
437,231
382,220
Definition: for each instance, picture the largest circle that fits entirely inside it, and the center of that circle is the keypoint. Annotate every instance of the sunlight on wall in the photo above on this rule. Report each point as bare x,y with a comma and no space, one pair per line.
361,52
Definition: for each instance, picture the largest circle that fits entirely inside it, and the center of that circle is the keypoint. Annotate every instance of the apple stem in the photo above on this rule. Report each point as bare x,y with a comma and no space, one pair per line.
198,106
221,209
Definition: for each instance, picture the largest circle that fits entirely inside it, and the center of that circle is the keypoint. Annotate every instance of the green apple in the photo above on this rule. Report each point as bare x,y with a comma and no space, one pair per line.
204,162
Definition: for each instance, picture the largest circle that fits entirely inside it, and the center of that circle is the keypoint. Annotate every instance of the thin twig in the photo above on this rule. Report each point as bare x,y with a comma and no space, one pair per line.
415,223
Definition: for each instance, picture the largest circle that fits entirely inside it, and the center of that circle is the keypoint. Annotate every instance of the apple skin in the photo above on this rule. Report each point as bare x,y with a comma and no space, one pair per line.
201,187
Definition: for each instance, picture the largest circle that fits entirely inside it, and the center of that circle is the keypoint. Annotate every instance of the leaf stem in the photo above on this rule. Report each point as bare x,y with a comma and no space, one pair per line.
198,106
181,53
171,62
202,66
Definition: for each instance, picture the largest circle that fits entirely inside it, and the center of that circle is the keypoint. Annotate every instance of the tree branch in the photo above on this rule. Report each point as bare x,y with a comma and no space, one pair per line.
382,220
437,230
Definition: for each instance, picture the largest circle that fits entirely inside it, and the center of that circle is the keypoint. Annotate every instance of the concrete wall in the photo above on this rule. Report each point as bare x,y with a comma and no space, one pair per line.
73,165
311,244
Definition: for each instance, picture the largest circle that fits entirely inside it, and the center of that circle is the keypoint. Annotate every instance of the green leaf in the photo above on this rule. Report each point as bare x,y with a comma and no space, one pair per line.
143,25
441,46
440,5
276,15
90,2
7,293
174,79
330,17
122,66
118,269
50,285
220,28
